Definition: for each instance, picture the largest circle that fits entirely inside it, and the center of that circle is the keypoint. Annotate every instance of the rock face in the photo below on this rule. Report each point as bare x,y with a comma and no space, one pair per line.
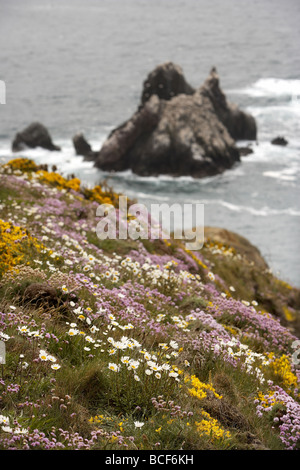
236,241
244,151
240,125
178,130
279,141
35,135
82,147
165,81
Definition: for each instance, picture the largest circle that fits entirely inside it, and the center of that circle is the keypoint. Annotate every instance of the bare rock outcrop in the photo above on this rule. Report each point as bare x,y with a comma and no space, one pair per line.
178,130
82,147
35,135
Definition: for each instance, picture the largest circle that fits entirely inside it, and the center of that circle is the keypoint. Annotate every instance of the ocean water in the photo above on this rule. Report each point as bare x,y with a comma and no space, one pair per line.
79,66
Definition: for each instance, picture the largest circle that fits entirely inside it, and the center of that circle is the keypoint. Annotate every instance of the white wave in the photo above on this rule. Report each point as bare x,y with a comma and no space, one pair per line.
270,87
263,212
285,174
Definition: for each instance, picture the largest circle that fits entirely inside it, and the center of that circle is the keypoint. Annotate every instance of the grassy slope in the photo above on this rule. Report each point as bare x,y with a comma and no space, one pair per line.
122,344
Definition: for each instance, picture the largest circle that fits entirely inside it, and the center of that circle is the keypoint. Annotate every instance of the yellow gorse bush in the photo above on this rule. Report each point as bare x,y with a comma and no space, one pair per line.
101,196
55,179
281,367
21,164
14,242
199,389
210,427
268,400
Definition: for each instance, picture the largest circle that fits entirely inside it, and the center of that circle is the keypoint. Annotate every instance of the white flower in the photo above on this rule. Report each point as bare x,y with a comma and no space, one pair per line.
94,329
114,367
52,358
173,344
173,374
4,420
6,429
89,339
133,364
43,355
211,276
73,332
20,431
138,424
55,366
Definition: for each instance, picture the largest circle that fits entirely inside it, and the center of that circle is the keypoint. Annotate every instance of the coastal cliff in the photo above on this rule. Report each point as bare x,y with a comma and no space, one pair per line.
136,344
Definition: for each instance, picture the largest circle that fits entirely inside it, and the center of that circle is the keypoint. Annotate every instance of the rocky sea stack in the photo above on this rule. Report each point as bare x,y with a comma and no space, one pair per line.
35,135
178,130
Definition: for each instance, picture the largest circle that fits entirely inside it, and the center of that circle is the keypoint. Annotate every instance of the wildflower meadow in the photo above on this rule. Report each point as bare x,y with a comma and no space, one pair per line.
135,344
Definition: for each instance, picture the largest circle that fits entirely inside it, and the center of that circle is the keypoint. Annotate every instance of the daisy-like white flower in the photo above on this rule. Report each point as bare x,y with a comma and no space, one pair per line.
4,420
73,332
23,329
55,366
7,429
211,276
158,375
136,378
138,424
173,344
114,367
125,359
94,329
52,359
89,339
20,431
173,374
133,364
43,355
64,289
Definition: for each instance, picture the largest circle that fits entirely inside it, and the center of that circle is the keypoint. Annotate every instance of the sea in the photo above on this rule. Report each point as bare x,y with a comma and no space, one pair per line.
79,66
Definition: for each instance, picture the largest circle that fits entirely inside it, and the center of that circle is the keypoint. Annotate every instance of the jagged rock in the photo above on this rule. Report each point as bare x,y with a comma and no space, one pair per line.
240,125
279,141
35,135
82,147
115,152
165,81
177,130
244,151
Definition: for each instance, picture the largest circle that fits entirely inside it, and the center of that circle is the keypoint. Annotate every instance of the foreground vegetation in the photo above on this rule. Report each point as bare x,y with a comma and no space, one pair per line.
122,344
